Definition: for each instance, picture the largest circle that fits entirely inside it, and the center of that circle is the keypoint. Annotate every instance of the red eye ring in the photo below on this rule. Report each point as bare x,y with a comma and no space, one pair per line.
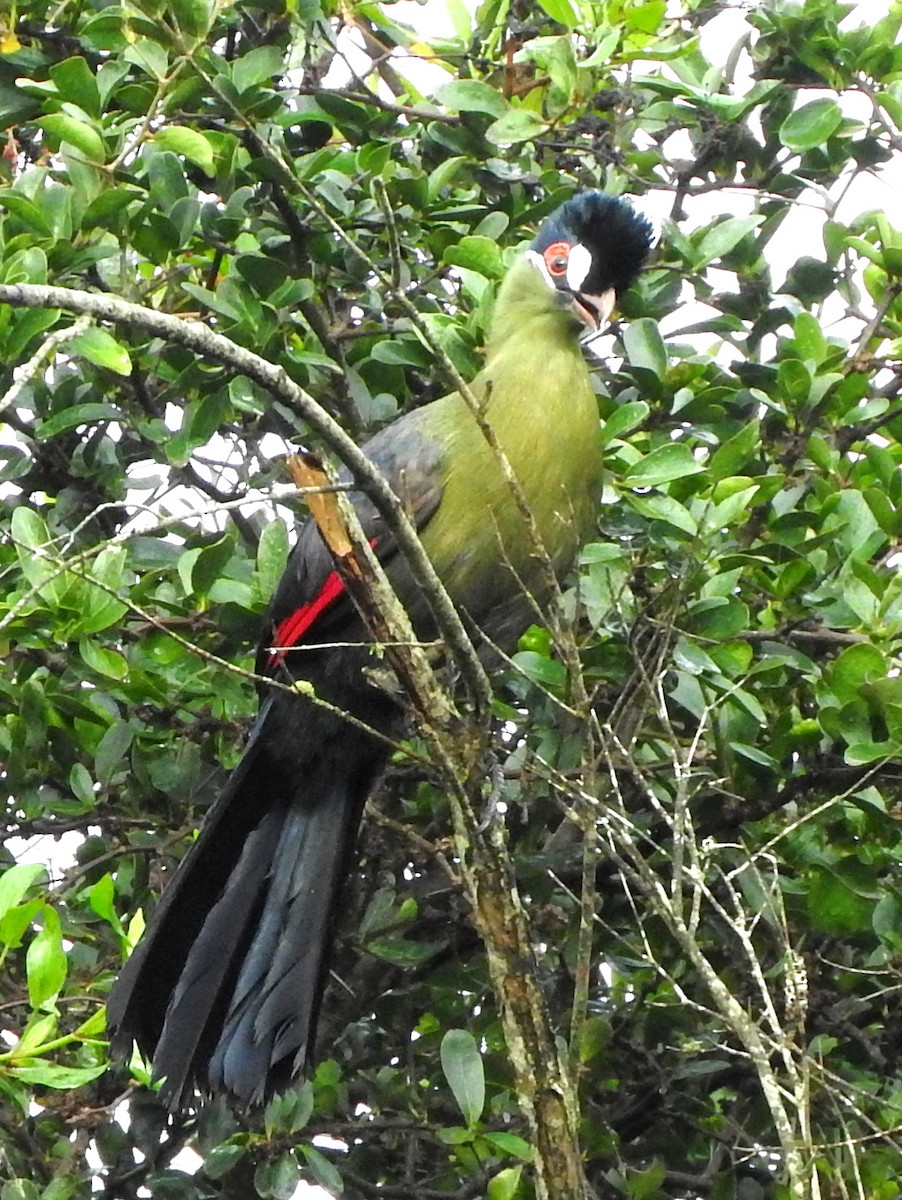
556,258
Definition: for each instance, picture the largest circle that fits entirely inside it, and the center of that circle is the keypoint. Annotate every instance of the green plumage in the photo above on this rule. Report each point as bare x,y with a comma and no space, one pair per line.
539,402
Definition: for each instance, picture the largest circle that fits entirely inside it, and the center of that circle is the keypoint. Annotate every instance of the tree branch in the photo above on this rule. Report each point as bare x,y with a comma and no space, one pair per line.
214,346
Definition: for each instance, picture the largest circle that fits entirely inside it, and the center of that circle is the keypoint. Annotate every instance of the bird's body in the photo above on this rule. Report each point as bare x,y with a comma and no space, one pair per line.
224,989
479,559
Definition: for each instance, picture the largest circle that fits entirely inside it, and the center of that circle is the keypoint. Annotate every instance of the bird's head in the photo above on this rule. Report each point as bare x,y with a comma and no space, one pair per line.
589,251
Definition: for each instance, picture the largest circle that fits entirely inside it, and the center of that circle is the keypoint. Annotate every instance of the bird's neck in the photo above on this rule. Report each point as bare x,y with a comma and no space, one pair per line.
534,367
538,392
526,313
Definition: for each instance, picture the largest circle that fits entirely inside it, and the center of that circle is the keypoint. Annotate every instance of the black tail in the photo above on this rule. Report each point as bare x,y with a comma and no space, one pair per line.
224,989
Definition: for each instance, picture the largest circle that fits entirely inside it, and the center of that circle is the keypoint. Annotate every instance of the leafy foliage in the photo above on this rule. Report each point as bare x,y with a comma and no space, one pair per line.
704,816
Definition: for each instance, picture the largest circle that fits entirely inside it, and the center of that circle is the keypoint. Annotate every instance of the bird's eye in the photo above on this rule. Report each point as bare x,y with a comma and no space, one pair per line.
556,258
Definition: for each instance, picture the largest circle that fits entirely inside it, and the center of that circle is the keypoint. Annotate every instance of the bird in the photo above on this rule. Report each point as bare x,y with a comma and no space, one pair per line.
223,990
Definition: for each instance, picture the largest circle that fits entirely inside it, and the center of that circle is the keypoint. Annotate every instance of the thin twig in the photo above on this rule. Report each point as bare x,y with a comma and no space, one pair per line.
274,379
41,359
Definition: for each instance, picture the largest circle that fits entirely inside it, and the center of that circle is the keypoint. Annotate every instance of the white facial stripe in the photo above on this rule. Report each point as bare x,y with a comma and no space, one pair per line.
537,259
578,266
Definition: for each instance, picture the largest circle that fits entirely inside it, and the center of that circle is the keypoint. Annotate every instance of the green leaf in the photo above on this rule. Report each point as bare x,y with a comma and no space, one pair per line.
795,380
478,254
462,1067
258,66
148,55
518,125
624,419
108,76
461,19
456,1135
111,750
36,554
272,554
509,1143
735,452
108,208
380,913
97,610
866,248
40,1029
15,882
103,659
79,414
100,897
166,173
811,125
723,237
233,591
504,1185
192,16
189,144
75,82
27,212
84,137
401,353
538,639
539,669
445,173
646,17
860,753
29,265
186,565
835,908
887,919
18,921
45,960
604,51
82,785
325,1174
224,1158
596,1036
561,11
64,1078
809,338
690,657
665,508
277,1178
93,1026
727,511
645,346
289,1111
720,618
471,95
674,460
102,349
29,529
644,1185
403,951
202,566
99,605
855,667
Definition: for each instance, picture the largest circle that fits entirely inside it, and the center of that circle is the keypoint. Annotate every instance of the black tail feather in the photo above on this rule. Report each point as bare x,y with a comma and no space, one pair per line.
223,991
287,961
200,999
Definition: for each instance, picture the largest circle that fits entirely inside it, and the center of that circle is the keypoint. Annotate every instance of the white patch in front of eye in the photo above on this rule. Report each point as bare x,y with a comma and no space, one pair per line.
539,261
578,266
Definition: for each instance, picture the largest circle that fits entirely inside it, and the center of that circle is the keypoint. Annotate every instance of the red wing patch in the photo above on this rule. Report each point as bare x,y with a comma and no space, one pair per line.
290,632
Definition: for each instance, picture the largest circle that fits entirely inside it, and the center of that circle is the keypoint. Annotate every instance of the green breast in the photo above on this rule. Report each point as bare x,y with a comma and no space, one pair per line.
540,404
